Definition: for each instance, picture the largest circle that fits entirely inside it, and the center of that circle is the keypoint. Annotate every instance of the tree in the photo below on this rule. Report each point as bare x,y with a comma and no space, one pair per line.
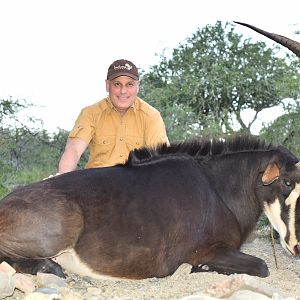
9,107
27,156
27,153
285,130
216,75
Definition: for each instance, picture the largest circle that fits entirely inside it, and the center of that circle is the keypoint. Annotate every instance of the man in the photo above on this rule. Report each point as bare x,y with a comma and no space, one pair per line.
115,125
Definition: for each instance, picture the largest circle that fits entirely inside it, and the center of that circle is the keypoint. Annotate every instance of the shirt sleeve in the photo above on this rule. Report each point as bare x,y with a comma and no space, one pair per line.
155,132
84,126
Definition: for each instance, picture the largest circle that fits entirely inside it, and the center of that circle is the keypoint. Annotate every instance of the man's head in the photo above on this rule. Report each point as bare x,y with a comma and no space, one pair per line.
122,84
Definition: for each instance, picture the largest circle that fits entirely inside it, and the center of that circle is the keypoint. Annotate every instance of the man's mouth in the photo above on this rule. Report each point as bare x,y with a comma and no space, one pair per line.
123,98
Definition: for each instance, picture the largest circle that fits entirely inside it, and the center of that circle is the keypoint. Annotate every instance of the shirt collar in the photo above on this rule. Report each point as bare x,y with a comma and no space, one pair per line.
111,106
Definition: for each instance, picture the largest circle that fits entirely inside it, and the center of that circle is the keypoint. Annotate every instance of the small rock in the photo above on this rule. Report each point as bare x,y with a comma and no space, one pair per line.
40,295
44,294
23,283
50,280
7,268
7,285
198,297
182,270
280,297
248,295
48,291
234,283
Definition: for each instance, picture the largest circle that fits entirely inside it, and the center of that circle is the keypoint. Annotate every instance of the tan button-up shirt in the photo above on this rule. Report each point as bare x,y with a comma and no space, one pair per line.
110,137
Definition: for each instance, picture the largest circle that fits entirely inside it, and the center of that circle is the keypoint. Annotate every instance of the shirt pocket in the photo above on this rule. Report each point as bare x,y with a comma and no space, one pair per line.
104,144
134,142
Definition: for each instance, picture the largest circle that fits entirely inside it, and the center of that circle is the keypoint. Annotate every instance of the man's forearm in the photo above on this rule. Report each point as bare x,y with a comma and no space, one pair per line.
68,162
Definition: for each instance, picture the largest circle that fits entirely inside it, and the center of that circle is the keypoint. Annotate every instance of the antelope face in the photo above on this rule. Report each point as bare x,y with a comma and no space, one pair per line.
284,211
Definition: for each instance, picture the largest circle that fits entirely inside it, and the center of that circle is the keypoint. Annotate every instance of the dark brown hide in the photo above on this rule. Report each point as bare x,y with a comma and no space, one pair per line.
38,221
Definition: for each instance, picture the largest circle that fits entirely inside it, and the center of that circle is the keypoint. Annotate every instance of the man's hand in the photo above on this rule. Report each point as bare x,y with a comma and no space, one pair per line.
51,176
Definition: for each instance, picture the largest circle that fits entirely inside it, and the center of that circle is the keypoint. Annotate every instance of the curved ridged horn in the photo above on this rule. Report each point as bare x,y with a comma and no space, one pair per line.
284,41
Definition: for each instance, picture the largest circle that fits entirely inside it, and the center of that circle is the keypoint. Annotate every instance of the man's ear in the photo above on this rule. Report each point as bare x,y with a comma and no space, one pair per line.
107,85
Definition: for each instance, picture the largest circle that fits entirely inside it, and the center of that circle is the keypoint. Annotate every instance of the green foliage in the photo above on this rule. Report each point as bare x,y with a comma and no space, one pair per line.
285,130
27,156
9,107
215,75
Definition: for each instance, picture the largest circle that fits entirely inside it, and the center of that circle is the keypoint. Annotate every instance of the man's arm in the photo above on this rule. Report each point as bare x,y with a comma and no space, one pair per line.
71,156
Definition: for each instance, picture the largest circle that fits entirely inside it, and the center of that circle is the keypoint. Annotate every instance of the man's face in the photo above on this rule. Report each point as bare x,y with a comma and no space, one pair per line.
122,92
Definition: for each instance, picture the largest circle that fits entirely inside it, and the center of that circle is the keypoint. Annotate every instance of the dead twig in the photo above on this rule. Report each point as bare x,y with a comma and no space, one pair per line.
273,244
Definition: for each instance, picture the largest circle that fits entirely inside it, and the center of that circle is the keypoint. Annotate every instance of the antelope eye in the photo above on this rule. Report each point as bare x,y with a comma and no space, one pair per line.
287,183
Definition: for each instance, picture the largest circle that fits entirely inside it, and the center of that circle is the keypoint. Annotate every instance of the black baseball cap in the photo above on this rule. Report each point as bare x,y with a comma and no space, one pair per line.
122,67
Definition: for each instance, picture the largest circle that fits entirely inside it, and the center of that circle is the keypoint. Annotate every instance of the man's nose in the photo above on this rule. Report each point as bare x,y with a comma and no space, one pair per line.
123,89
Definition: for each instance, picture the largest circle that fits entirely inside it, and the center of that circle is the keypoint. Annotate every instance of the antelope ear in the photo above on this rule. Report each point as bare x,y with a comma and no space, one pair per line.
271,174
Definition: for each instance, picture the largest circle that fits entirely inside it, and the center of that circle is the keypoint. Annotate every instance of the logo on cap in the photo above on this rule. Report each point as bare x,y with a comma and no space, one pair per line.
125,67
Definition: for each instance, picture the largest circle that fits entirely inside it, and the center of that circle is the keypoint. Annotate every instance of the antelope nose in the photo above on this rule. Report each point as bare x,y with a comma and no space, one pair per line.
297,249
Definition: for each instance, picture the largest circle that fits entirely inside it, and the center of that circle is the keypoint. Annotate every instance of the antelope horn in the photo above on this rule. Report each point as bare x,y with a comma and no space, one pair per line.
284,41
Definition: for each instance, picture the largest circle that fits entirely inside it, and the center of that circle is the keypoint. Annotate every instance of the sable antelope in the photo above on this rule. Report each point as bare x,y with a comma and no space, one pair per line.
193,202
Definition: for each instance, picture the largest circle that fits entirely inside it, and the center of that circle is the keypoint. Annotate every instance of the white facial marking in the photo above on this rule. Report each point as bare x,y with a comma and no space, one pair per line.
273,212
292,201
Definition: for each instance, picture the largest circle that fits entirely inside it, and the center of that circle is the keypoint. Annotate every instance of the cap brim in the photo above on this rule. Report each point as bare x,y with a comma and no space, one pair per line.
113,76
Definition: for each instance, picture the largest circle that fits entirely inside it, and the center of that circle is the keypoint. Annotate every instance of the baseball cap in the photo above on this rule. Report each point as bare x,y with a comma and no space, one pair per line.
122,67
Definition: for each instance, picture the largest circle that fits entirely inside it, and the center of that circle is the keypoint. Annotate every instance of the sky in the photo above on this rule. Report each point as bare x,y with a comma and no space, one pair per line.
55,53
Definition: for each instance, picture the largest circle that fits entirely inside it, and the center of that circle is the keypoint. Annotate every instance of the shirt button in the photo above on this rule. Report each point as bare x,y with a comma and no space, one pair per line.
137,142
121,155
121,139
104,142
